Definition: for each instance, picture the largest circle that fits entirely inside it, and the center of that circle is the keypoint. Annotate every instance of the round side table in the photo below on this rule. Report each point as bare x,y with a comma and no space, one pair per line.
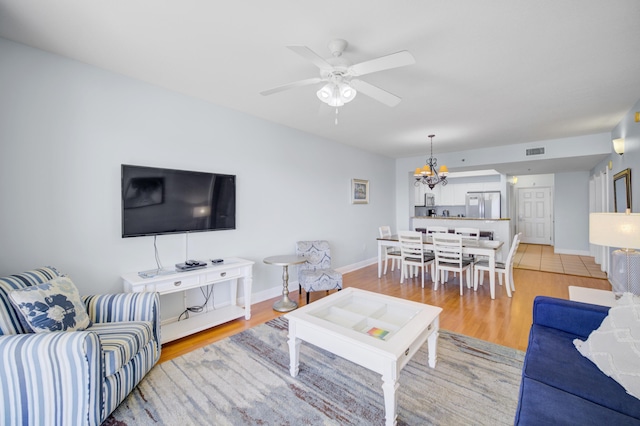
285,304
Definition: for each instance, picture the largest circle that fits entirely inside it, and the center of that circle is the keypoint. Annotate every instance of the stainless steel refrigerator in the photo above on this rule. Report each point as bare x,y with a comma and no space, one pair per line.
483,205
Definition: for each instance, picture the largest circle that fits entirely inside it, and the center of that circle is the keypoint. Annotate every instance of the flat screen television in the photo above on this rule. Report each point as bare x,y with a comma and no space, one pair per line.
164,201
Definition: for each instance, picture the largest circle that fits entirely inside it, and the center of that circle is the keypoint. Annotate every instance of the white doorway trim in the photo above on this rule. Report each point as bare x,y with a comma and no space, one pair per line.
599,185
535,214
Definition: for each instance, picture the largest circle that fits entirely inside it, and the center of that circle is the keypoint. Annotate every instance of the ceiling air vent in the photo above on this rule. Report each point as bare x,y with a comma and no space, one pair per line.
535,151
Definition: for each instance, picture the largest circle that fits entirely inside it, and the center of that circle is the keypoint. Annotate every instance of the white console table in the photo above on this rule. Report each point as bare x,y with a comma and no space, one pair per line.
592,295
230,271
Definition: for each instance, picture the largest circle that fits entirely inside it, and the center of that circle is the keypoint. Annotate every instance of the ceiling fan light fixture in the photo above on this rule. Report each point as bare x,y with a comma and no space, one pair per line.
347,93
335,101
336,95
325,93
338,74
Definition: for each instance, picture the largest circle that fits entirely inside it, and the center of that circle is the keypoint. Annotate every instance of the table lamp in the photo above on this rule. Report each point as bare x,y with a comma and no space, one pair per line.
619,230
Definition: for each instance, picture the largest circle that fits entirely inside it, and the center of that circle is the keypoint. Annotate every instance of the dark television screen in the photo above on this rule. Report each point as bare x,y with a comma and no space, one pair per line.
163,201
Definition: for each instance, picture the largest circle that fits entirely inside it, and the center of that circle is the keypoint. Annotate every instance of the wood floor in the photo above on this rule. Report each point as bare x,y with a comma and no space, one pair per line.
504,320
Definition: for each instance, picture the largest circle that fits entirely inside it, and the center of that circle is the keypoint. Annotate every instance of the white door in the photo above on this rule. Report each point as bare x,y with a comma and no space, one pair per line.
534,215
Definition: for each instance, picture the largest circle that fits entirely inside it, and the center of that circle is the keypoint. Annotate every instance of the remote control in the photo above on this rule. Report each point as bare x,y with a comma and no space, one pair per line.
216,261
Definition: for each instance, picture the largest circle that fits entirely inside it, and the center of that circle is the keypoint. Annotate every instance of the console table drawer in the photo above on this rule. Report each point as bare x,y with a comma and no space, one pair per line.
176,284
213,277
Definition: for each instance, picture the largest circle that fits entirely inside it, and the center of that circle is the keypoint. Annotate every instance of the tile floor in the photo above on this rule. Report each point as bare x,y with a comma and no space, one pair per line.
542,258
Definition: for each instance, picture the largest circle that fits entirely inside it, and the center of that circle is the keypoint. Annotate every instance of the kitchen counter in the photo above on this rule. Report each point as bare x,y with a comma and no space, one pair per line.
499,228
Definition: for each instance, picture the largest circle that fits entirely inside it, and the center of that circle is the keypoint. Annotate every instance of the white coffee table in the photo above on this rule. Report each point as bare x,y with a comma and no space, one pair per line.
378,332
592,295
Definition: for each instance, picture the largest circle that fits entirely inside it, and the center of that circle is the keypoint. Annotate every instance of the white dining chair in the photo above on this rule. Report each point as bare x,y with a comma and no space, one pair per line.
413,255
436,230
390,253
449,258
472,234
505,268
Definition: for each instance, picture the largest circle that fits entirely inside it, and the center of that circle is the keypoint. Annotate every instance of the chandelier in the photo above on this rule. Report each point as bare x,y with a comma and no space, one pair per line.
429,174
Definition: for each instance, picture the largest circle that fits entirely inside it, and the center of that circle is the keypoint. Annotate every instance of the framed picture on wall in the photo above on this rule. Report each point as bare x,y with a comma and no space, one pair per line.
359,191
622,191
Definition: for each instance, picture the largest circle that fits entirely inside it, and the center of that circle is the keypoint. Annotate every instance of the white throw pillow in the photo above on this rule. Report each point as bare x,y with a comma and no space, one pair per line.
52,306
615,346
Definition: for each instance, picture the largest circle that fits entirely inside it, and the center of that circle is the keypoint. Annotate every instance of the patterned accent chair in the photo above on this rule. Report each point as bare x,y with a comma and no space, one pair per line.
74,377
316,273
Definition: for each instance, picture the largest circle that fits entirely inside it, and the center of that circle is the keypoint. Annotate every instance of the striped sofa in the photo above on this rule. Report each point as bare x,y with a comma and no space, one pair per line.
74,377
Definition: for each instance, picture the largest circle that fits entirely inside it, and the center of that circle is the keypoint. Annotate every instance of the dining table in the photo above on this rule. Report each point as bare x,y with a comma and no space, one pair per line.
487,248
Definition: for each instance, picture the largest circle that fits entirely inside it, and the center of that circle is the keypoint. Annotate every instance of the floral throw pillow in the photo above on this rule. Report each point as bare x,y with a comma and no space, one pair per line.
52,306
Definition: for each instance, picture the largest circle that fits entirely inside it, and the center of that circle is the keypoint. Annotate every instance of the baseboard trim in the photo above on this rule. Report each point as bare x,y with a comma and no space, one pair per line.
270,293
573,252
356,266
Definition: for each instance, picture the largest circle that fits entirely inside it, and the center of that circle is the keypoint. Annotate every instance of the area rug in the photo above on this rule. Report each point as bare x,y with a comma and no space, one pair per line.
244,380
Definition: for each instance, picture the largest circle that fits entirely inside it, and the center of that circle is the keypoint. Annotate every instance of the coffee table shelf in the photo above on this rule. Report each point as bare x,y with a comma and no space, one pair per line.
366,315
378,332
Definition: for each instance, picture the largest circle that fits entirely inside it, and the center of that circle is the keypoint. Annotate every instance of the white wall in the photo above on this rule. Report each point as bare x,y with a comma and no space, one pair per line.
571,213
66,127
530,181
629,129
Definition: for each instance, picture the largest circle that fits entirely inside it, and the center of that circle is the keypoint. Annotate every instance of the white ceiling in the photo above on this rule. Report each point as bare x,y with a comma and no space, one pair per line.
487,73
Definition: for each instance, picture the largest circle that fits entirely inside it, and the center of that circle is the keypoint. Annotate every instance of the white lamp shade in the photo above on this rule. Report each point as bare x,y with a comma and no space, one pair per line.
620,230
347,93
335,101
325,93
618,146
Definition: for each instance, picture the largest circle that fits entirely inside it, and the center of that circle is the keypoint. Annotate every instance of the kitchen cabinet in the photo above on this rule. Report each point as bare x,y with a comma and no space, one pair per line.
473,187
436,193
455,193
419,194
459,195
447,195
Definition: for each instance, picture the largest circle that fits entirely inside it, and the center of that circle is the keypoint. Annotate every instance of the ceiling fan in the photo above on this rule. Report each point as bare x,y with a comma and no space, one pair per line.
341,78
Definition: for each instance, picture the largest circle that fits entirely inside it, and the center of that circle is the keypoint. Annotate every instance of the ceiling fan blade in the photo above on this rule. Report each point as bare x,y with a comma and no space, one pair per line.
309,54
376,93
395,60
293,85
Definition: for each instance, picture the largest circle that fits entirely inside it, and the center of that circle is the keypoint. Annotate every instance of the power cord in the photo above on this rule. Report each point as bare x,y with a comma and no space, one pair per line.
155,248
199,308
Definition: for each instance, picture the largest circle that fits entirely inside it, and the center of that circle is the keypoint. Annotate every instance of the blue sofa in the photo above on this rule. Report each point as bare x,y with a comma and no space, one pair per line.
559,385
